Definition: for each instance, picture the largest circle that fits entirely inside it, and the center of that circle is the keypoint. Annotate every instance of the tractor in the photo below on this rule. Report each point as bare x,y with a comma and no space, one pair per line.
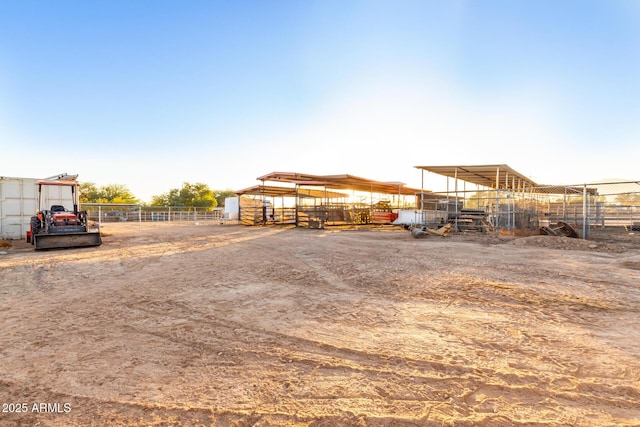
58,227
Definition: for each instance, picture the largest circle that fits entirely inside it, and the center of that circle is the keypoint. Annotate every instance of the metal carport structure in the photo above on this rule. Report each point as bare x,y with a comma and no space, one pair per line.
319,200
509,198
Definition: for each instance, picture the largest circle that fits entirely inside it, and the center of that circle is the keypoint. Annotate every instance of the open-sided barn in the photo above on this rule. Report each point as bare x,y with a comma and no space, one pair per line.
315,201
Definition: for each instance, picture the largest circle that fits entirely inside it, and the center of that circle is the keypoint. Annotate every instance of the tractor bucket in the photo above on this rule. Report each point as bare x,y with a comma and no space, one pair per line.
66,240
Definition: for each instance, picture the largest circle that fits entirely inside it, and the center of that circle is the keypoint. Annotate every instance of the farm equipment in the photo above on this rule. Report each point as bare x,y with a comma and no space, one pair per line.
58,227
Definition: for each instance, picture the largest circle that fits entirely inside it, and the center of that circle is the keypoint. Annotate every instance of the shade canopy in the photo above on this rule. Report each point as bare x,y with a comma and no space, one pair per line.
281,191
341,182
491,176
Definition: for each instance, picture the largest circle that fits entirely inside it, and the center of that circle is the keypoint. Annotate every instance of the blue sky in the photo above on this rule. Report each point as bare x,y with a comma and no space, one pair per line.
152,94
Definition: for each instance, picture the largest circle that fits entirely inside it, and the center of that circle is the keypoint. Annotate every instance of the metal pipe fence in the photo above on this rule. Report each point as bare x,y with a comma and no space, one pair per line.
583,206
104,212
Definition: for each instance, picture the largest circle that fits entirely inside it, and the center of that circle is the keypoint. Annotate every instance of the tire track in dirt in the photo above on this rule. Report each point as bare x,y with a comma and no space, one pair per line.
328,358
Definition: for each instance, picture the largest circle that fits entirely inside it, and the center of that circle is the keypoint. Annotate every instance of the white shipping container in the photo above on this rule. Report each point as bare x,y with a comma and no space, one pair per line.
231,208
19,202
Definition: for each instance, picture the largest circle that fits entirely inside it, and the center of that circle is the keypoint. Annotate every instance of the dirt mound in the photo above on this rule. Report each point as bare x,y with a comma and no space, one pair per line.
567,243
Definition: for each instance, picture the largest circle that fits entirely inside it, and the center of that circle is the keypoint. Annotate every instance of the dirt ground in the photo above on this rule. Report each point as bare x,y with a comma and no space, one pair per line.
201,324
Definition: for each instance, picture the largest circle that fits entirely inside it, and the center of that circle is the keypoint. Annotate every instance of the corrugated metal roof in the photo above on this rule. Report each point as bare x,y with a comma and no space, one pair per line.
492,176
341,182
488,175
278,191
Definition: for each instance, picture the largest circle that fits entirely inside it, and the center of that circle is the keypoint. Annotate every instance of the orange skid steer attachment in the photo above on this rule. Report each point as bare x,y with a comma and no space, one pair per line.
66,240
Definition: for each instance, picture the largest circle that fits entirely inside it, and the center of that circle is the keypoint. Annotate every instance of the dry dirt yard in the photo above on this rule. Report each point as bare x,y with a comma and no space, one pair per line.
201,324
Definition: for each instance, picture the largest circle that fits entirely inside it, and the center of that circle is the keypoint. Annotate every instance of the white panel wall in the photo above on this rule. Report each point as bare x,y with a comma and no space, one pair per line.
231,208
19,202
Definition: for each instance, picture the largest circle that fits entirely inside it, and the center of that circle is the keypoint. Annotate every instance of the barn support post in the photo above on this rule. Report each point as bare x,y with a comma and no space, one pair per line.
522,199
297,206
455,200
514,194
497,208
370,204
564,205
422,199
464,191
263,206
448,202
324,212
585,213
510,206
281,214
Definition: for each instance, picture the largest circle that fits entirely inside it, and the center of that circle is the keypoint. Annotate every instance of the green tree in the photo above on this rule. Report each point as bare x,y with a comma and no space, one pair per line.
194,195
116,193
112,193
223,194
628,199
88,192
160,200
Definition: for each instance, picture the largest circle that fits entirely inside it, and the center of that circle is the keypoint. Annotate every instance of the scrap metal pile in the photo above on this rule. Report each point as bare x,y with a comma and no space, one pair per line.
560,229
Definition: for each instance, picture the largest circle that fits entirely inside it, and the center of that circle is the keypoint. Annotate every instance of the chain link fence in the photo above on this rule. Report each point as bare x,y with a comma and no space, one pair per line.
583,207
101,212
